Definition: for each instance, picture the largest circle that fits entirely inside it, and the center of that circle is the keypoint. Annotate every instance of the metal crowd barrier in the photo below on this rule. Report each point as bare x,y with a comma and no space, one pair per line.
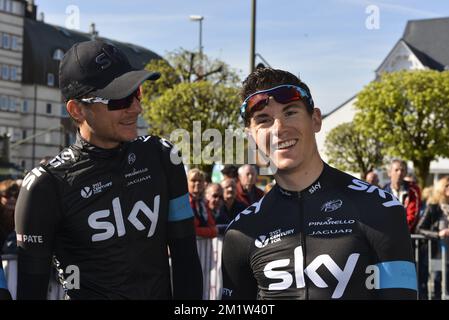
433,265
209,251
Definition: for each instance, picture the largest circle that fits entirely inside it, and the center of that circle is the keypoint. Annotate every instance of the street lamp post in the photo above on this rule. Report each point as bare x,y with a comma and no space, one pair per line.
200,20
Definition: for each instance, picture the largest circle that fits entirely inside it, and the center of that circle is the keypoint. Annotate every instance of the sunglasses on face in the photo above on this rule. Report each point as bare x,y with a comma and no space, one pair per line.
115,104
282,94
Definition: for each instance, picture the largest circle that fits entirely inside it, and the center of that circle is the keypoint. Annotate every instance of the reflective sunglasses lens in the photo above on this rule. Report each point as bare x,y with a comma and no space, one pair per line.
124,103
257,101
286,95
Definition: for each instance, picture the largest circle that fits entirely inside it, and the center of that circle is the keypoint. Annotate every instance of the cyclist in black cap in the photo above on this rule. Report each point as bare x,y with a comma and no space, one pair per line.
109,206
319,233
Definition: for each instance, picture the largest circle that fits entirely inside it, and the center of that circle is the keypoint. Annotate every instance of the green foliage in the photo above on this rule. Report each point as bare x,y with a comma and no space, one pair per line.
407,112
191,90
349,149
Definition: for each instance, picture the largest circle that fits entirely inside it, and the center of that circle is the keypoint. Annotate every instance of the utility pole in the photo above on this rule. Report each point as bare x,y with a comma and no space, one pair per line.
252,60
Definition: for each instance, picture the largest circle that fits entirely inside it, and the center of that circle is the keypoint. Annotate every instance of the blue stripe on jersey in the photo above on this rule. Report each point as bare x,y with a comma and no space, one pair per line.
179,208
397,274
2,279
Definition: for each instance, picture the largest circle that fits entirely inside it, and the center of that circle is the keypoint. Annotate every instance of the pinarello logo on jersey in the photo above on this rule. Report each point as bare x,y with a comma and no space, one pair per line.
331,205
86,192
261,241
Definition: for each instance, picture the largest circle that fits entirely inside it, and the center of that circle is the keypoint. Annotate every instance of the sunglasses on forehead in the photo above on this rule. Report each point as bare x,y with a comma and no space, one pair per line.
115,104
283,94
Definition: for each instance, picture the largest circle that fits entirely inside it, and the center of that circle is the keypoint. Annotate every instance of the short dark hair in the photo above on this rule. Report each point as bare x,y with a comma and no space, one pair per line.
266,78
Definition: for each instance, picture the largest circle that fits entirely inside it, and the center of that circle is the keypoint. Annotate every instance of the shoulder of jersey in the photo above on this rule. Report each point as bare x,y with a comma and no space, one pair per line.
362,192
153,141
248,216
62,161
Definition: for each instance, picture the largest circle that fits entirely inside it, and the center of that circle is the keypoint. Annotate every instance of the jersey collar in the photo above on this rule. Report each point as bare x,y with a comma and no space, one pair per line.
95,151
315,187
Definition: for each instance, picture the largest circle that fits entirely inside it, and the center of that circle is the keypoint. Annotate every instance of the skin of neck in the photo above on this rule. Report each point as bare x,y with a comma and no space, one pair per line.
302,176
396,185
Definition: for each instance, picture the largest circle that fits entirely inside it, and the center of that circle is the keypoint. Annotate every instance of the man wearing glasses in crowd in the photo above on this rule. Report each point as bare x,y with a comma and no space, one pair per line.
112,204
319,233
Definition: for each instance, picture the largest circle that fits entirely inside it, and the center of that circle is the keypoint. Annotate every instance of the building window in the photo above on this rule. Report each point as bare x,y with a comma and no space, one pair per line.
5,72
24,134
3,103
15,43
50,79
25,106
58,54
6,41
48,137
8,5
13,73
12,104
64,112
18,8
48,108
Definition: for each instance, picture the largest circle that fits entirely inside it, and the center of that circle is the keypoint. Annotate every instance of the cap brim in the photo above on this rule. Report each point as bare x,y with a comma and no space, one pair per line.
124,85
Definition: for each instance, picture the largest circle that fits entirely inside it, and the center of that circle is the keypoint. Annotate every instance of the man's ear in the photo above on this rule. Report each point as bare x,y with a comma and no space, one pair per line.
75,110
317,120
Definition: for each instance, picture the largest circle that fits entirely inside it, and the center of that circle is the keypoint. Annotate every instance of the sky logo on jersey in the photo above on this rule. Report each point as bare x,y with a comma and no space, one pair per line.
254,208
62,158
315,187
31,177
110,229
341,275
332,205
359,185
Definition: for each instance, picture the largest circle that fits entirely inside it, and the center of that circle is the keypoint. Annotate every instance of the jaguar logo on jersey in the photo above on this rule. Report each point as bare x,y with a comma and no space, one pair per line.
131,158
98,187
273,237
284,279
96,219
332,205
359,185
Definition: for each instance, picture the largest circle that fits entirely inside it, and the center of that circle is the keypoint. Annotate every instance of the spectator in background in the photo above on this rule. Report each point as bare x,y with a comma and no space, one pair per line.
4,293
214,203
247,192
407,192
204,221
372,178
9,191
231,206
435,224
230,171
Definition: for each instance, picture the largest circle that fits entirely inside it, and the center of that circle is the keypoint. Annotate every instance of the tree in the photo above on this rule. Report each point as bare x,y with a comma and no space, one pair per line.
192,92
349,149
407,112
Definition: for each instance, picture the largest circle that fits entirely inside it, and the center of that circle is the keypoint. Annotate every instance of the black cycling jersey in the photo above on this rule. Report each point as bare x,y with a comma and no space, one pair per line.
4,293
107,214
340,238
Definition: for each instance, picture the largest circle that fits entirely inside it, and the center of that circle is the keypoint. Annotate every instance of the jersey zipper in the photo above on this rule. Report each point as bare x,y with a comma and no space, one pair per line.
303,239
